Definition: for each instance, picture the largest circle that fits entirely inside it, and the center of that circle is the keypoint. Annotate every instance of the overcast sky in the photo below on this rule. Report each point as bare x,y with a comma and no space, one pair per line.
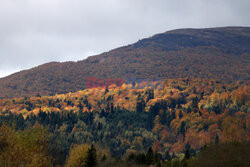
33,32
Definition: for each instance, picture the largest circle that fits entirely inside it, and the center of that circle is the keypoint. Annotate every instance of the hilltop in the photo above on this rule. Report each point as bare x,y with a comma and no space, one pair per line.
219,53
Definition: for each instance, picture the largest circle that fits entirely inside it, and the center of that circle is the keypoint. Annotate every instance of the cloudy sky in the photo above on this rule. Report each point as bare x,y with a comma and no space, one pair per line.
33,32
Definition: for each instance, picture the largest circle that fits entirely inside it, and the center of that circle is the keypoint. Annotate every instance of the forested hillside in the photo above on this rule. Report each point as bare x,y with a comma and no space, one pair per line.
220,53
168,120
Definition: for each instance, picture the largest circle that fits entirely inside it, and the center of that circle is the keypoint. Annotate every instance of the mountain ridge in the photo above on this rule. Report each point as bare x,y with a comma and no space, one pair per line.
221,53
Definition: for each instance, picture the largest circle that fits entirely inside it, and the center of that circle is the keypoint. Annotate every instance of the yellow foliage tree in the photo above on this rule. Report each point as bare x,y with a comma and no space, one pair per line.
77,155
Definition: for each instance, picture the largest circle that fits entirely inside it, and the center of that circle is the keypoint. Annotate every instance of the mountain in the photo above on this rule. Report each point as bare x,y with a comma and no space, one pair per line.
219,53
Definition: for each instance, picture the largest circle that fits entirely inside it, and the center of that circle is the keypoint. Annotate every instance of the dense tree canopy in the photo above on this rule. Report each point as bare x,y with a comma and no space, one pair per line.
176,120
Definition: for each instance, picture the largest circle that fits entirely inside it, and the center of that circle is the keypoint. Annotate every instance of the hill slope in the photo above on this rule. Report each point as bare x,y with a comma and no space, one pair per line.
221,53
177,113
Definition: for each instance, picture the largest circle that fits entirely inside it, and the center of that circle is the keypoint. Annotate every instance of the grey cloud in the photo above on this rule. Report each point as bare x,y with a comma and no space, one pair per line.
33,32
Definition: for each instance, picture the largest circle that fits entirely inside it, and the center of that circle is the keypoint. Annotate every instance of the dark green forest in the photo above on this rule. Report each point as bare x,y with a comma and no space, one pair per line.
56,139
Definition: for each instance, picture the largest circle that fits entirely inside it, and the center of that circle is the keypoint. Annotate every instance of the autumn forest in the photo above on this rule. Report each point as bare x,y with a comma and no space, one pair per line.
177,99
177,123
